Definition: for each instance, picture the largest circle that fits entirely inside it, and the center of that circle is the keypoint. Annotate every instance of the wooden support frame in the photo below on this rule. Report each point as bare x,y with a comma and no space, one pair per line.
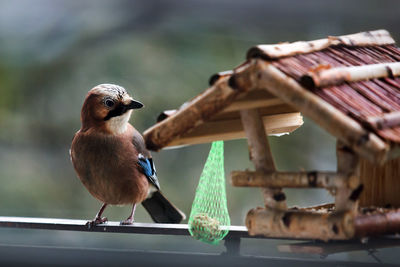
387,120
378,37
233,129
338,124
337,76
311,179
254,99
260,154
347,195
377,224
195,113
300,224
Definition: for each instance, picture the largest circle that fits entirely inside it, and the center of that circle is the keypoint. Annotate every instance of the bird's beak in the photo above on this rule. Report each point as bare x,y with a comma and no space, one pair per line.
134,104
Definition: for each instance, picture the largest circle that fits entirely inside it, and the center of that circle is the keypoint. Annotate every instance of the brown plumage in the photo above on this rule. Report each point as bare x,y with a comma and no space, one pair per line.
105,154
110,178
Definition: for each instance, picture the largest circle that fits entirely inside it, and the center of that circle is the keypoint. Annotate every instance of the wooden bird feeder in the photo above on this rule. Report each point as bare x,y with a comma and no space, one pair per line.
349,86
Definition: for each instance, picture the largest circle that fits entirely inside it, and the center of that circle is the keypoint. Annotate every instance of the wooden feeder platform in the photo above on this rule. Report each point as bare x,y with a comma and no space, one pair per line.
350,86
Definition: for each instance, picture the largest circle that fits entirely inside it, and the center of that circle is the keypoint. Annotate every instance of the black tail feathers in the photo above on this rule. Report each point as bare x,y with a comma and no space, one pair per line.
161,210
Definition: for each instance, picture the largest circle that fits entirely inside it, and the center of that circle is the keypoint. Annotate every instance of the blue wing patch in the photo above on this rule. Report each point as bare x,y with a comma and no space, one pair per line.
149,170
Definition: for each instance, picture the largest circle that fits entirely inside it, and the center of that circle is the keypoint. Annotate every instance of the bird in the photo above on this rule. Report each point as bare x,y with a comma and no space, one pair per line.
111,160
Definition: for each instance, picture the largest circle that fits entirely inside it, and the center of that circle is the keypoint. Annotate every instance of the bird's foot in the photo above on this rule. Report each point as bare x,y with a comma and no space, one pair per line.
96,221
128,221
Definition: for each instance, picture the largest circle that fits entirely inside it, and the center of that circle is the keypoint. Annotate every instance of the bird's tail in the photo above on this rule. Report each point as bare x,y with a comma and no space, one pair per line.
161,210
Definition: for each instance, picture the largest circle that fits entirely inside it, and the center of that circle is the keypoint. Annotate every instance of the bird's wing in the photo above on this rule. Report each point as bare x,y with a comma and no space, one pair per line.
149,170
144,159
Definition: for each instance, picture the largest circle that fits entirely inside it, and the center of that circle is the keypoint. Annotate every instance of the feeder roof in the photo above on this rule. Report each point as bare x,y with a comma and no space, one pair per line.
349,85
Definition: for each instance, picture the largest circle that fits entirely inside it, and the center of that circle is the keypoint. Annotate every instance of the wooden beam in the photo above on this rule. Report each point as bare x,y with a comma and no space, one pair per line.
193,114
381,223
300,224
387,120
328,117
216,77
253,99
260,154
379,37
265,101
311,179
197,111
233,129
347,195
337,76
264,111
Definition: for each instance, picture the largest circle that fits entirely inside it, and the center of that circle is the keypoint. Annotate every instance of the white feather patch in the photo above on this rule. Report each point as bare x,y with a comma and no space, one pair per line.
118,125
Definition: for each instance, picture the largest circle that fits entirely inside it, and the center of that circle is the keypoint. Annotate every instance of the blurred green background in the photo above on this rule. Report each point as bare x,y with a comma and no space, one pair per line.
162,52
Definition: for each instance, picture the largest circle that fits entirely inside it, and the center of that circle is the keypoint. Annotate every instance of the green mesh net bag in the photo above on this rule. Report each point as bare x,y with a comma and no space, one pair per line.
209,219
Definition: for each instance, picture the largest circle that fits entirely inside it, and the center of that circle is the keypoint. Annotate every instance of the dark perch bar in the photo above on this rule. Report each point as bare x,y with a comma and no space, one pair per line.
109,227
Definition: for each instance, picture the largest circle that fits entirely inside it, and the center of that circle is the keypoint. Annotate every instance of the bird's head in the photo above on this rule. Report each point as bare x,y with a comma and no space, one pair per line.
108,107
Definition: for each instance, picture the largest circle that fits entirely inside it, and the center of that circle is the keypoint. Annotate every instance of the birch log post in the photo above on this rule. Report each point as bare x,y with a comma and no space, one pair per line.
300,224
347,195
387,120
261,156
227,129
337,76
380,223
378,37
191,115
311,179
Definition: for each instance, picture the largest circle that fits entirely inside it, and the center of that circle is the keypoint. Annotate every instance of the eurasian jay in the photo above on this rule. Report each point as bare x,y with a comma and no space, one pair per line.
111,160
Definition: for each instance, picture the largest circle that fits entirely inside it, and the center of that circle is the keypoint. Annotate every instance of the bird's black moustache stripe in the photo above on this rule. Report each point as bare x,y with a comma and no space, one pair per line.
118,111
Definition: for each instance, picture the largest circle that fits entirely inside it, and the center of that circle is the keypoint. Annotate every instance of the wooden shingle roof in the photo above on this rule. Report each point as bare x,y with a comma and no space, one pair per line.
367,100
346,84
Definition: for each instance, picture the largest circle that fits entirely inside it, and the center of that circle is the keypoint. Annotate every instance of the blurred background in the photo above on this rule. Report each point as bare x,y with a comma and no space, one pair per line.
163,52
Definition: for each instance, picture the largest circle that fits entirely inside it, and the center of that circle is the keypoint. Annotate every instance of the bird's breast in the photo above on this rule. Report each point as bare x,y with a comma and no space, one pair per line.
107,166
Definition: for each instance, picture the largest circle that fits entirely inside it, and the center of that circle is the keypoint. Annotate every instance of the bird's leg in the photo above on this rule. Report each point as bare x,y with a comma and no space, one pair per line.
130,219
98,219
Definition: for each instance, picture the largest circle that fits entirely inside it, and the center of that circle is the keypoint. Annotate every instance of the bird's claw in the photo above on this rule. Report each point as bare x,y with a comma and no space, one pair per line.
96,221
127,222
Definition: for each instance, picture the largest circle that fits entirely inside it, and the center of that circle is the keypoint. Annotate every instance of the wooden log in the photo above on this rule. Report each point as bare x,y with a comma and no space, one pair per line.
312,179
197,111
337,76
260,154
381,183
230,129
214,78
193,114
384,223
300,224
379,37
347,160
267,103
253,99
264,111
328,117
387,120
165,114
346,195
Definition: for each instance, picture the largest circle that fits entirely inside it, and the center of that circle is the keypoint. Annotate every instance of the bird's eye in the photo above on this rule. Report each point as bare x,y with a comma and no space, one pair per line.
109,103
